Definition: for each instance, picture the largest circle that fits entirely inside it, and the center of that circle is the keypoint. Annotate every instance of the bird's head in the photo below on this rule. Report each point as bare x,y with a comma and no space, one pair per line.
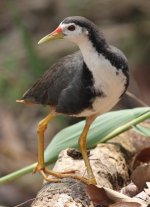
75,29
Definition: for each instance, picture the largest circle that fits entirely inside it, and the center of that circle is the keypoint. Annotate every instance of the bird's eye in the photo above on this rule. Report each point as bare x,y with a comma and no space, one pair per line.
71,28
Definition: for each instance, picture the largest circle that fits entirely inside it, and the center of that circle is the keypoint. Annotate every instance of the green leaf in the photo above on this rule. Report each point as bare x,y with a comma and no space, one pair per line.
145,131
104,128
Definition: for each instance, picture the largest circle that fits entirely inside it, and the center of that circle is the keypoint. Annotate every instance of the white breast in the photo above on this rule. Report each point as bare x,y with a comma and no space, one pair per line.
107,79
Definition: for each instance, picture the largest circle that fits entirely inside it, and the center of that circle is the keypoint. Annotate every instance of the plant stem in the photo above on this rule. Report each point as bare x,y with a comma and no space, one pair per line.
17,174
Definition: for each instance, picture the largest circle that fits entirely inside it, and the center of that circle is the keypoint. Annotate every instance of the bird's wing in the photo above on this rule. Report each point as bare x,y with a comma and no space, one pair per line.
48,88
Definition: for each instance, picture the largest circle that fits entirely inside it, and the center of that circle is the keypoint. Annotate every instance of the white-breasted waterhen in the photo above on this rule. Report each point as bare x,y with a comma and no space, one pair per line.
86,84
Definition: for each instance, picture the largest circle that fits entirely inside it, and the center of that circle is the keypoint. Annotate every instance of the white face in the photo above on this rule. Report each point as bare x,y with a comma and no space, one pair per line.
73,32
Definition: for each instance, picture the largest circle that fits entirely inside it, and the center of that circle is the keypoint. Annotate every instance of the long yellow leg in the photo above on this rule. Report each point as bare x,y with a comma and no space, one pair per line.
82,141
41,129
82,144
41,166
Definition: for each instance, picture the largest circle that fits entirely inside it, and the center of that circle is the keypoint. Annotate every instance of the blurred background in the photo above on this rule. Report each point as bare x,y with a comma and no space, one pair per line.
125,24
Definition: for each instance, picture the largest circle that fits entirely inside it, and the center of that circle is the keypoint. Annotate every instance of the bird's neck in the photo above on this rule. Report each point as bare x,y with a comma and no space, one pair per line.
90,53
94,42
87,49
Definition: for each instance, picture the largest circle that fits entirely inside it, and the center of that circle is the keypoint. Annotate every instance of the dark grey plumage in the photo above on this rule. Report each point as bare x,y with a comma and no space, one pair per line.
67,83
50,85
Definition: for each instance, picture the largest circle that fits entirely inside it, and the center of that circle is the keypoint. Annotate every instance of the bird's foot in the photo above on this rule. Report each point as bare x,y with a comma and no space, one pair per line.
45,172
67,174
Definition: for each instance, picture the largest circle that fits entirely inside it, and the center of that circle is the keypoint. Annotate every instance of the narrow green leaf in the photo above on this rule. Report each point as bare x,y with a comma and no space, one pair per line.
145,131
126,126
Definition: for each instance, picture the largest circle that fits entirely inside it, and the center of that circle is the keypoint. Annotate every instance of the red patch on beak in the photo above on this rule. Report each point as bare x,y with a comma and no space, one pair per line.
58,30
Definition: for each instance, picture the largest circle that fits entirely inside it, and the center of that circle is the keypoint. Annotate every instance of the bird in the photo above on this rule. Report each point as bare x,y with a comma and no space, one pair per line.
86,83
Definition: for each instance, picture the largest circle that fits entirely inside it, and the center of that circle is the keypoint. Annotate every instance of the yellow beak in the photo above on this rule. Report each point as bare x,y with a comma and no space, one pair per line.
56,34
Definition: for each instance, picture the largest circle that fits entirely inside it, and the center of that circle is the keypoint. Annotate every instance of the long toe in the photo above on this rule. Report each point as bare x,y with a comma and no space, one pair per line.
45,172
65,175
47,178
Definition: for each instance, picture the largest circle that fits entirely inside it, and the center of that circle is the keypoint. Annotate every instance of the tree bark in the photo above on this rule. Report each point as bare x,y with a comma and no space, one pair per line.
110,166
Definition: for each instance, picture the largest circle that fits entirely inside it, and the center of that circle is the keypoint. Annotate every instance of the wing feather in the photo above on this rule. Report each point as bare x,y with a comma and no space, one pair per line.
50,85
